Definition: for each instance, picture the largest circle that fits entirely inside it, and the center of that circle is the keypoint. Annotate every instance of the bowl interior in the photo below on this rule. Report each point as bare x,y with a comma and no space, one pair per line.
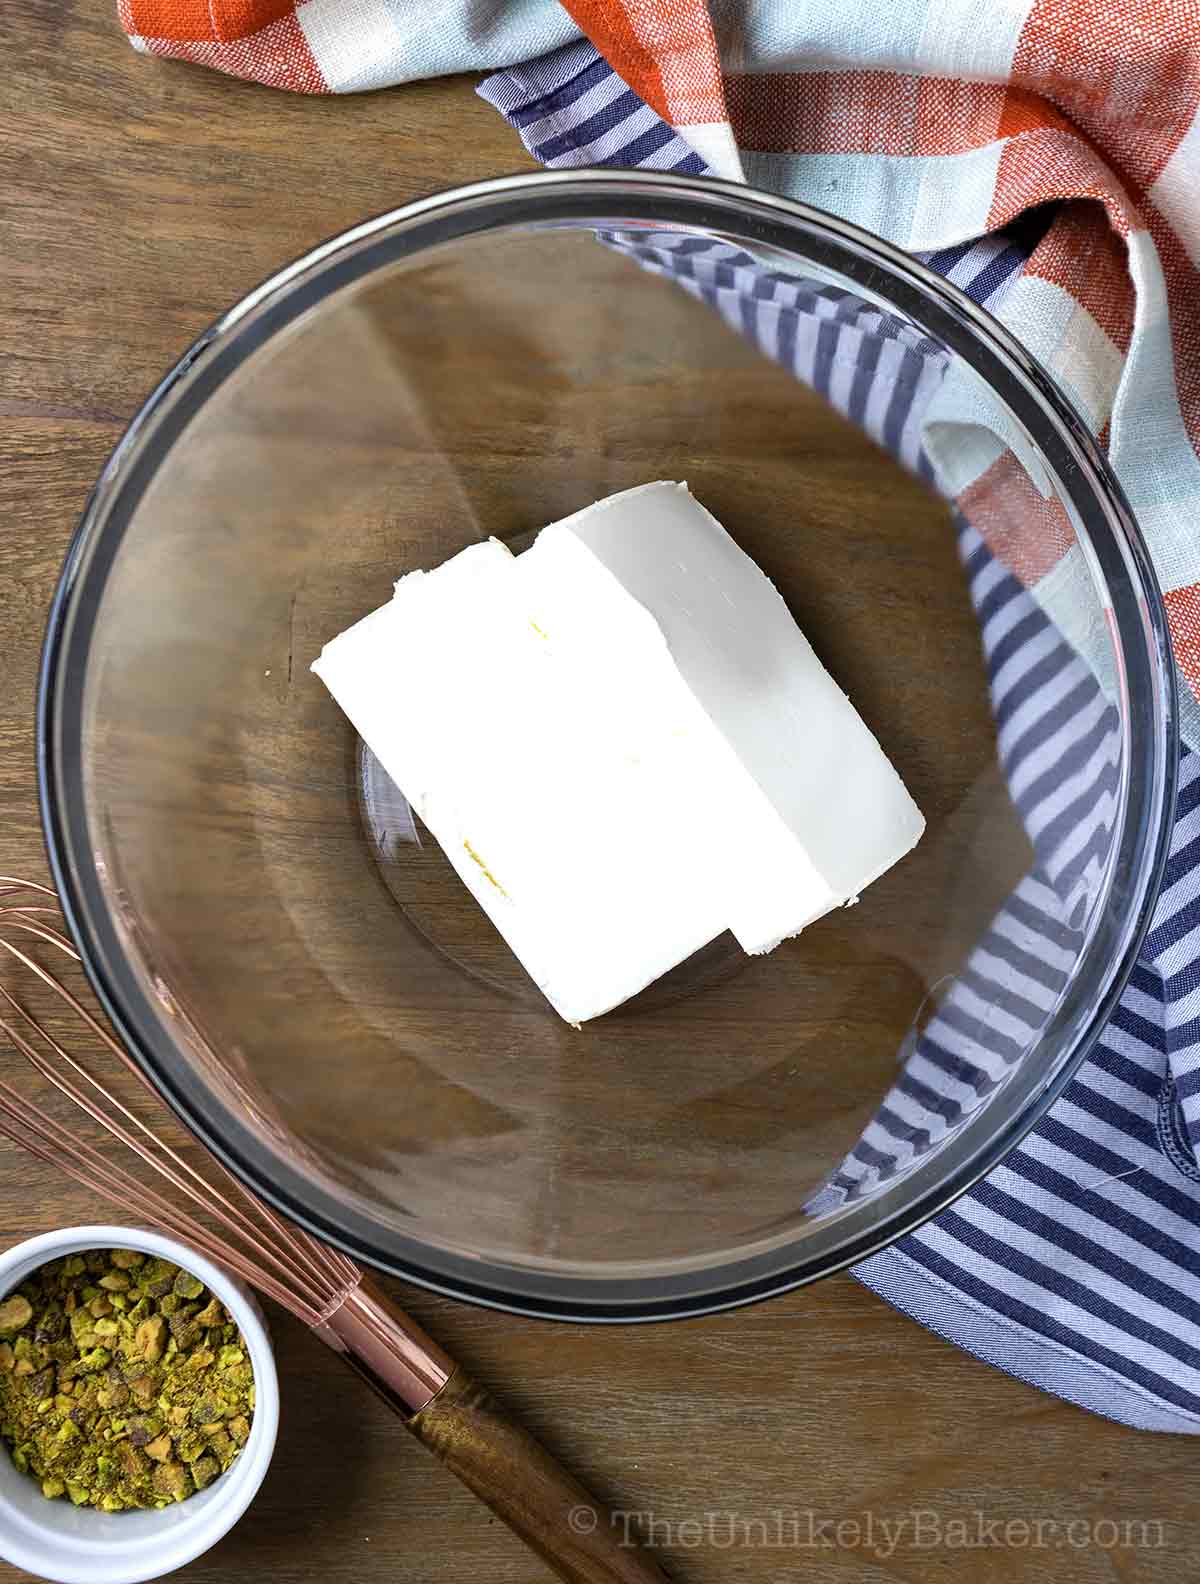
292,952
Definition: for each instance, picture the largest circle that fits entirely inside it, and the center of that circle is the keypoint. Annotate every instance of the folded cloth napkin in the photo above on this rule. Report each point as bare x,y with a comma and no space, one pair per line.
1076,1264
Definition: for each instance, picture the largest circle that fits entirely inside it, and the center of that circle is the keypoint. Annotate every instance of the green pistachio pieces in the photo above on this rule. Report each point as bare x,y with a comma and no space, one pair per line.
149,1338
15,1314
204,1470
123,1381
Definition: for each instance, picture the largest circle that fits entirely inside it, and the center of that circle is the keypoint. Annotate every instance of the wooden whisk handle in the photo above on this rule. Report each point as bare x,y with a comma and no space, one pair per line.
502,1464
518,1479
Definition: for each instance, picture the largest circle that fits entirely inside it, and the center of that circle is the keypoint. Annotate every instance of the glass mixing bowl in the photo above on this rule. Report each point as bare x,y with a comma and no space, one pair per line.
291,957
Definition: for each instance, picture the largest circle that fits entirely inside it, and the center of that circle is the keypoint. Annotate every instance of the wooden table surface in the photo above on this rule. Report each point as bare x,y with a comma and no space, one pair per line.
137,199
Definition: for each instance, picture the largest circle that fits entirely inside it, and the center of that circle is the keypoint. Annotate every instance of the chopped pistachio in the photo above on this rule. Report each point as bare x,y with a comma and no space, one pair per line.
204,1470
114,1395
51,1325
40,1385
82,1322
211,1315
185,1333
158,1279
148,1339
142,1387
172,1480
123,1383
15,1314
143,1428
190,1445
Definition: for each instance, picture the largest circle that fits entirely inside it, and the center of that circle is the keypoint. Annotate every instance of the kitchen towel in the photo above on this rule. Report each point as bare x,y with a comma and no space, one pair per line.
929,122
1076,1265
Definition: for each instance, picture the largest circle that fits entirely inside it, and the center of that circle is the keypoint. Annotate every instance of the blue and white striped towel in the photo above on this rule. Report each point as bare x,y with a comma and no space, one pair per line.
1076,1264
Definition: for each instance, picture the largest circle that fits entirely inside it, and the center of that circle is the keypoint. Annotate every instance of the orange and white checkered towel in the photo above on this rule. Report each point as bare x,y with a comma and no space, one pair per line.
928,122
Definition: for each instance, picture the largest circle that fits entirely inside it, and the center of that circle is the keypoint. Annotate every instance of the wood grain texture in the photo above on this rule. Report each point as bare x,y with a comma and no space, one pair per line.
558,1519
138,199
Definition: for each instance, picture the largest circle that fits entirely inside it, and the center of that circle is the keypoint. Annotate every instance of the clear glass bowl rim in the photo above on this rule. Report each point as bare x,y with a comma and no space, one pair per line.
881,272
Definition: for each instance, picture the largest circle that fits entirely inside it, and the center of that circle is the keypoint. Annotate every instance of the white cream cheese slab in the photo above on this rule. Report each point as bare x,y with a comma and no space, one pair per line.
624,744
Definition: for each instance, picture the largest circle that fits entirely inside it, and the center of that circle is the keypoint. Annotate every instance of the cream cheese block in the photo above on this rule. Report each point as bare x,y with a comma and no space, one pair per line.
623,743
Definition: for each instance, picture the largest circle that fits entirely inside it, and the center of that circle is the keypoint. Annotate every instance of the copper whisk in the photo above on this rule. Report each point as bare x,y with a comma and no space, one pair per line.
438,1402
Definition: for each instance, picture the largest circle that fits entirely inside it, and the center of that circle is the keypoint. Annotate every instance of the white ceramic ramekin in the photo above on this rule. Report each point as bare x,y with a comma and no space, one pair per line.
77,1545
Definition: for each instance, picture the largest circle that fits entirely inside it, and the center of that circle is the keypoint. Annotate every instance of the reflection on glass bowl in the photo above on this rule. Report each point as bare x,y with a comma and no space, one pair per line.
287,952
